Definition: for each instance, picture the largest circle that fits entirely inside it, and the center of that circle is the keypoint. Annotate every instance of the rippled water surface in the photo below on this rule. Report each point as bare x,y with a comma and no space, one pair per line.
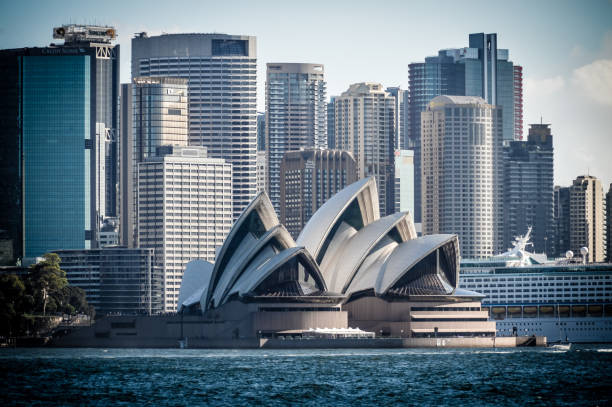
453,377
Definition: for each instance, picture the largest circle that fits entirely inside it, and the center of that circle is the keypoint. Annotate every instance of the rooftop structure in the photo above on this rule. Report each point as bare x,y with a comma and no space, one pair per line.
75,33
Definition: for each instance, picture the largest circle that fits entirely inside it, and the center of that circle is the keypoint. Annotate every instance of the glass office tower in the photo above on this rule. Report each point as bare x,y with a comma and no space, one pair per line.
56,164
58,118
481,70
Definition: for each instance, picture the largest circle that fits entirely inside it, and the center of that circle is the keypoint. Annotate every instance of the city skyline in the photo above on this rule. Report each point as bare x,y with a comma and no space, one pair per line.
565,50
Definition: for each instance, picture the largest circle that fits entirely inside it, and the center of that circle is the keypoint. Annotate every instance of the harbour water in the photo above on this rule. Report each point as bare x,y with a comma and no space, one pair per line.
442,377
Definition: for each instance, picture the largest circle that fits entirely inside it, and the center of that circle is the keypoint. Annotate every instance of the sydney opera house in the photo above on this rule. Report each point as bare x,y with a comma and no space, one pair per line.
347,268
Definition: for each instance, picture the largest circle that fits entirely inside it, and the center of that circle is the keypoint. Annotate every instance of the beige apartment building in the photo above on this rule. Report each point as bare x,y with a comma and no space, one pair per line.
587,218
184,211
462,172
365,126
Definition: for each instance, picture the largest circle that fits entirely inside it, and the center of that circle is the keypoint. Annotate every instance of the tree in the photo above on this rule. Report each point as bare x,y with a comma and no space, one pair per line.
47,280
12,292
73,300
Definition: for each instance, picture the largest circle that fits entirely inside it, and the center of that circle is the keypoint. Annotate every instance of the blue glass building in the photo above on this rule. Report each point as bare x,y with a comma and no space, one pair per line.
481,69
58,121
56,118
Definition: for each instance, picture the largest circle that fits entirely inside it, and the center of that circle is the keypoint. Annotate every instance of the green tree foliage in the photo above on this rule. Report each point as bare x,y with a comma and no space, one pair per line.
12,292
44,290
47,280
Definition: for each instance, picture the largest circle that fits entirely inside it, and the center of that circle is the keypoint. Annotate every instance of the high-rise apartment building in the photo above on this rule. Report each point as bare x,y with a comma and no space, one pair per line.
401,140
117,280
365,123
310,177
587,212
184,210
561,211
222,77
127,174
528,189
518,102
481,69
404,181
158,116
462,172
609,225
261,171
58,124
296,115
261,131
331,123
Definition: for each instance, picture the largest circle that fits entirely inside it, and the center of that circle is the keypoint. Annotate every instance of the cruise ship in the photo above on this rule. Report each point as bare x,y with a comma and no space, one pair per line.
564,300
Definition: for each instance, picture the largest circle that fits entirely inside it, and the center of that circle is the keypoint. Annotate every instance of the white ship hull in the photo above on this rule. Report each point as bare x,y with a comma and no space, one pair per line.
573,329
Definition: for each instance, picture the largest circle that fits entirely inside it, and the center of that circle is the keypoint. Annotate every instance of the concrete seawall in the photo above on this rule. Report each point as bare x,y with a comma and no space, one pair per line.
167,331
375,343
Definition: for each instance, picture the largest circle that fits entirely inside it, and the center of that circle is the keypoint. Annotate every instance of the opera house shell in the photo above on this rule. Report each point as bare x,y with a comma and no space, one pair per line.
347,268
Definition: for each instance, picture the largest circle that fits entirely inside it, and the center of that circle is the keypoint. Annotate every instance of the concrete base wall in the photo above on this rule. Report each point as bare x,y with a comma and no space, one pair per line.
402,343
377,343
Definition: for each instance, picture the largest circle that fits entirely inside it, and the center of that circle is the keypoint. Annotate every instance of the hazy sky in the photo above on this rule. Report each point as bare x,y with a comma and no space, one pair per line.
565,48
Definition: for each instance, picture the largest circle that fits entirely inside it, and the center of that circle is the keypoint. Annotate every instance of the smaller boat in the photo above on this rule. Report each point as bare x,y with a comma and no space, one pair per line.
562,346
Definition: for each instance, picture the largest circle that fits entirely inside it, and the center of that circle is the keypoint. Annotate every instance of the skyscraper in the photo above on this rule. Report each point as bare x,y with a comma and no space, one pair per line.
462,172
310,177
261,171
562,220
478,70
222,77
518,102
296,115
528,189
587,212
401,109
365,123
436,76
158,108
331,123
404,181
184,210
58,124
261,131
609,225
127,174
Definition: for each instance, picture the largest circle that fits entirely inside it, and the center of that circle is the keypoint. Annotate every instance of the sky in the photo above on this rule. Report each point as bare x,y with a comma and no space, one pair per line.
565,48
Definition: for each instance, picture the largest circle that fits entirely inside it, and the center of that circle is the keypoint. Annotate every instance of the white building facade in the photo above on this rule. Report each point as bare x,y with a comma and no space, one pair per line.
184,211
222,78
462,172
